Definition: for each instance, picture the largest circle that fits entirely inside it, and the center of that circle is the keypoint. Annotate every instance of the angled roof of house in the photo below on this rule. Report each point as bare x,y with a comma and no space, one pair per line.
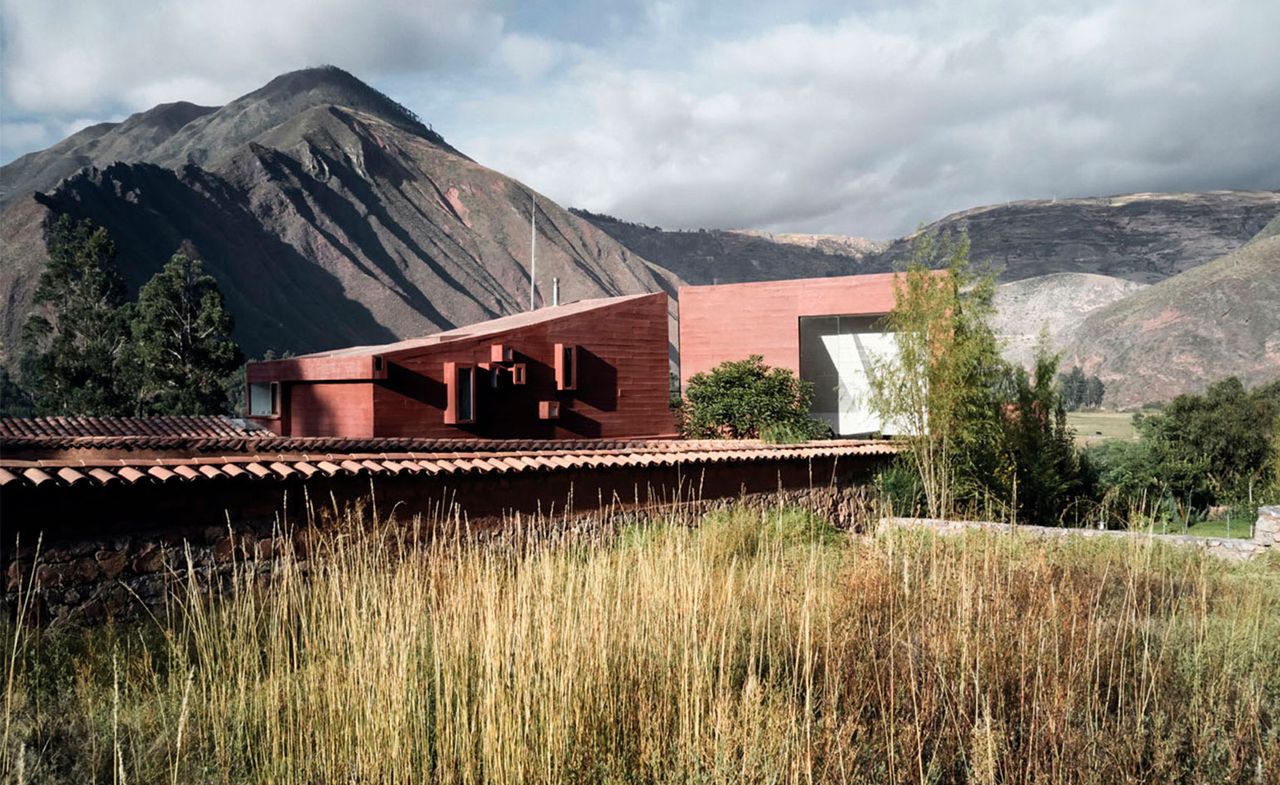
481,329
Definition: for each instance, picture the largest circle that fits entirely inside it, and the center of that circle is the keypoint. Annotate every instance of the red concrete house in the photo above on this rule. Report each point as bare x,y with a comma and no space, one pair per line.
594,369
826,330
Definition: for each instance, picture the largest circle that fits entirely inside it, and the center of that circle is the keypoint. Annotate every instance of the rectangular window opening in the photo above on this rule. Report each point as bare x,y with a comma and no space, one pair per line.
566,367
264,399
466,395
460,405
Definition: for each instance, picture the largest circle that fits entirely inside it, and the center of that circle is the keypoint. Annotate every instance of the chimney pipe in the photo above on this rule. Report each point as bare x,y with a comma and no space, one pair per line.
555,291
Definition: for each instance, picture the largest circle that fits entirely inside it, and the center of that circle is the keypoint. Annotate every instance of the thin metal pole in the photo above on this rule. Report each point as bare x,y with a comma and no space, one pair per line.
533,254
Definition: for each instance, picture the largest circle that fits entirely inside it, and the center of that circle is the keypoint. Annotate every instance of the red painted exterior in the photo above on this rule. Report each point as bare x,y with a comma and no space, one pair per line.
734,321
622,386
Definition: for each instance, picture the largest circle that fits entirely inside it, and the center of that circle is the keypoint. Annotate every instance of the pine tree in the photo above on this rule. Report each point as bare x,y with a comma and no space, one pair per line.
183,352
73,343
1094,391
1050,473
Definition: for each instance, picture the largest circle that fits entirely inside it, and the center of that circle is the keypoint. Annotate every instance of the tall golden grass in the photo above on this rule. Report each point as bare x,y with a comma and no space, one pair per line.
754,647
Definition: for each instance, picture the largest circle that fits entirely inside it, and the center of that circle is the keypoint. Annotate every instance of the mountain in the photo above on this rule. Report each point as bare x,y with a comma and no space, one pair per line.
709,256
1139,237
1057,303
329,215
1179,335
1142,238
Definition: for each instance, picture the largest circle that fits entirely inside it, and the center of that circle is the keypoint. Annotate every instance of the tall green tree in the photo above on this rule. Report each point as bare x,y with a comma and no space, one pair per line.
1215,448
1072,386
74,341
1049,473
946,388
182,353
15,401
1094,392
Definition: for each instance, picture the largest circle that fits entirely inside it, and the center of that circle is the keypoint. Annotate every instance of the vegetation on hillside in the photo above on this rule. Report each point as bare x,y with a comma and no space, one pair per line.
88,351
754,647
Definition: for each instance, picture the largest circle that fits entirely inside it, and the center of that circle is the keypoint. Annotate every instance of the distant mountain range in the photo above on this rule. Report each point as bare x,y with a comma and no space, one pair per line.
332,216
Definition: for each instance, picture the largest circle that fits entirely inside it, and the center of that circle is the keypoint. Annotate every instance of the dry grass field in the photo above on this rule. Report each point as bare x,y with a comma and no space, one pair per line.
751,647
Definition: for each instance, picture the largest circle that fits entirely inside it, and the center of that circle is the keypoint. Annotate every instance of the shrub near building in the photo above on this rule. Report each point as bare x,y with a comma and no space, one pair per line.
746,399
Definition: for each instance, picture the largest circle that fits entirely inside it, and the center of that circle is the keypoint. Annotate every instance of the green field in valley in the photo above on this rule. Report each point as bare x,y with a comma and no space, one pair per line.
1096,427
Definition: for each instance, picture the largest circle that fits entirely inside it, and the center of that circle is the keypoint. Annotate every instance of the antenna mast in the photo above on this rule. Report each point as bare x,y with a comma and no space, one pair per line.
533,253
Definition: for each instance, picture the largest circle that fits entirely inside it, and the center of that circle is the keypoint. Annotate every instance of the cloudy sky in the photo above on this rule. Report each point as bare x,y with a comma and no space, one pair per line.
852,118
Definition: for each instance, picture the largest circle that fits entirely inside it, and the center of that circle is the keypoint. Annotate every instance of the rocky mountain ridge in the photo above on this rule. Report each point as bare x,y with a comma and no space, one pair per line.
1180,335
325,223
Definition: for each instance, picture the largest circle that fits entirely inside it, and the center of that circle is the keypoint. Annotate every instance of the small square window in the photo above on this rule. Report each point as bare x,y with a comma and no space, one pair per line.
548,410
518,374
264,399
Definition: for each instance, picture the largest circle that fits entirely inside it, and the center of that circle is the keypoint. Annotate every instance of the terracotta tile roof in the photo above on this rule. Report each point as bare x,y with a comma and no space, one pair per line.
281,465
15,430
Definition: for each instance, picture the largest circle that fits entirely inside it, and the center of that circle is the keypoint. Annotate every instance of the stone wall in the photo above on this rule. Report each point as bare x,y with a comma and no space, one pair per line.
1266,533
107,565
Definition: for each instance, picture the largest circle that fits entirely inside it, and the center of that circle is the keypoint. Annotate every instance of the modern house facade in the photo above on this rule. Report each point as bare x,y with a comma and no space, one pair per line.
826,330
591,369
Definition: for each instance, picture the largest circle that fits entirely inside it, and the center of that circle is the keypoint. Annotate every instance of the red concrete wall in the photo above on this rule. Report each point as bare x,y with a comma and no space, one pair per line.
328,409
622,387
734,321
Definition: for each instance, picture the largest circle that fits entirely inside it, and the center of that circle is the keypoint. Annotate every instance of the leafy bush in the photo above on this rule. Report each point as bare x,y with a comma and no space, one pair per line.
1215,448
794,432
976,429
900,489
745,399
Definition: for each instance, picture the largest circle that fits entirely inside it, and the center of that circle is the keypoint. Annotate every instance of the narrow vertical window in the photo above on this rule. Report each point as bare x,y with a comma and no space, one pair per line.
466,394
566,367
460,404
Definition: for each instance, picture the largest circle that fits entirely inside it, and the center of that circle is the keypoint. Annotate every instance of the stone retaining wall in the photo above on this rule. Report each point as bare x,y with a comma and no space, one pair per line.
103,567
1266,533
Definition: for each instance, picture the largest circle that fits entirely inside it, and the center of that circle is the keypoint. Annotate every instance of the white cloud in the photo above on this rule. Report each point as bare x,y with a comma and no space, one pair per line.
723,114
76,55
874,123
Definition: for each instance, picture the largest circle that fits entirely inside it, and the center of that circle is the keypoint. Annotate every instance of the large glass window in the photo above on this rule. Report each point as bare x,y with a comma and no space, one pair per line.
838,354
